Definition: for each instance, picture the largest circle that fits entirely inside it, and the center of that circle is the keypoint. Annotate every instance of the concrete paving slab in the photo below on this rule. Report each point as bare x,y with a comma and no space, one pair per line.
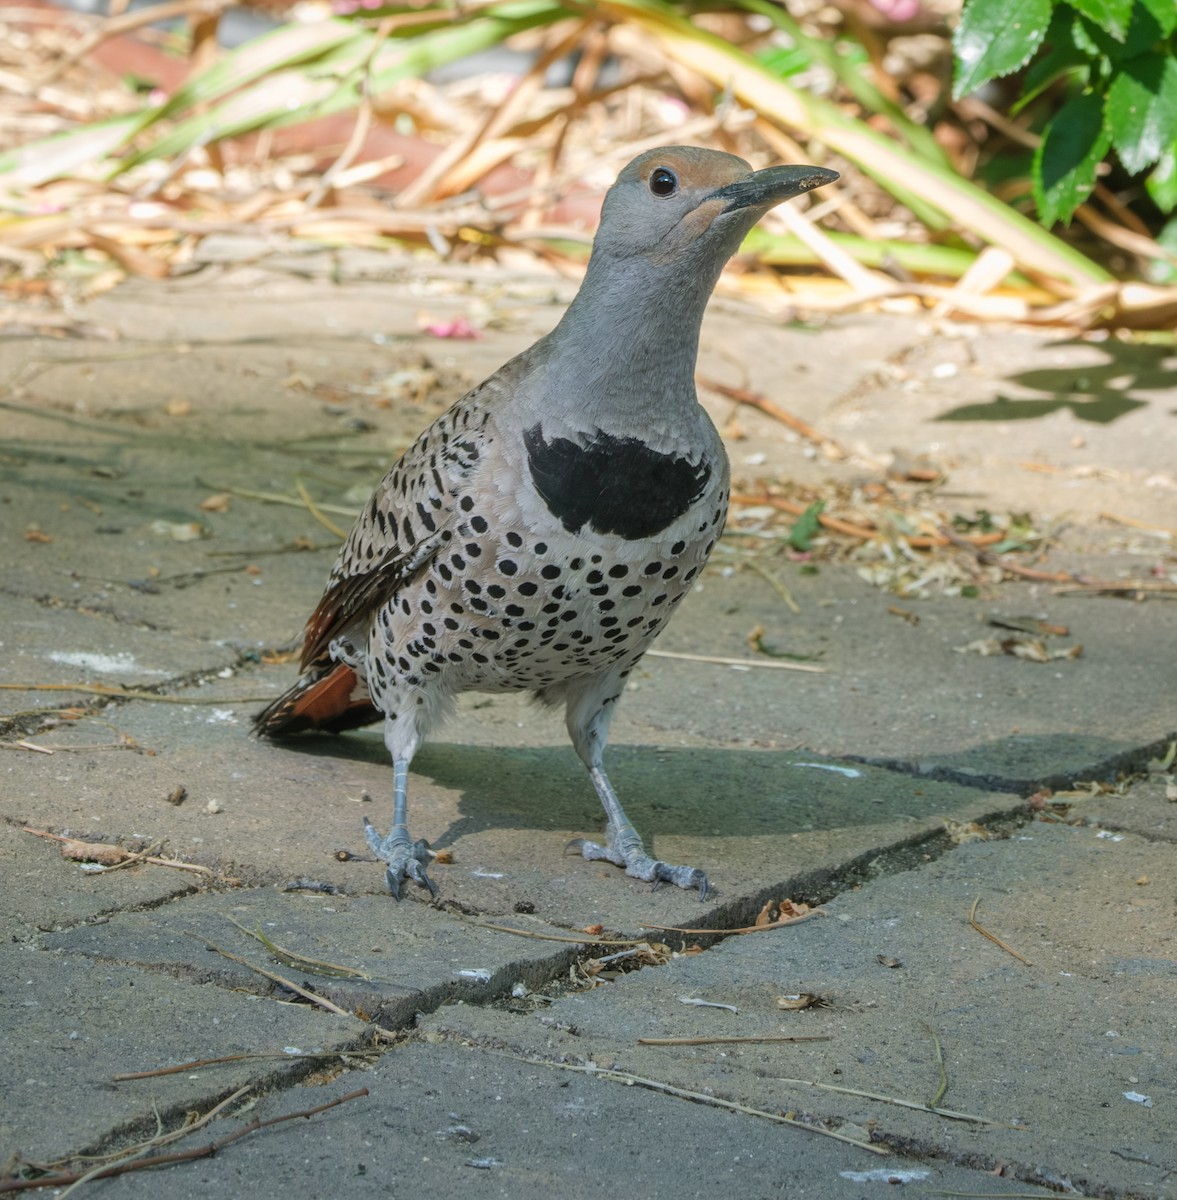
259,379
1148,808
264,813
43,891
906,693
443,1119
1072,1053
426,959
71,1023
44,643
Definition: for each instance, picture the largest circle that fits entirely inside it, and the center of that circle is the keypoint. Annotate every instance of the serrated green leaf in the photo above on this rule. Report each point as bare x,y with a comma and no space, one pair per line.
1146,29
1072,147
1164,12
1112,15
1142,109
1162,183
995,37
1061,55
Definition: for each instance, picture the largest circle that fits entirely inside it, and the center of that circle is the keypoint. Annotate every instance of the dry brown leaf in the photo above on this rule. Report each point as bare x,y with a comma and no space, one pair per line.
34,533
960,832
96,852
1030,649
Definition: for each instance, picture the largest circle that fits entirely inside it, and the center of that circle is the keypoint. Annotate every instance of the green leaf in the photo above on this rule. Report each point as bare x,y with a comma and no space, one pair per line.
1112,15
1146,28
1063,52
1164,12
784,61
1162,183
1073,145
806,527
1142,110
995,37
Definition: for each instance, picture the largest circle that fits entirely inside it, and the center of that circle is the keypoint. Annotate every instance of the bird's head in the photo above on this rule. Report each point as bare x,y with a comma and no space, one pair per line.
691,205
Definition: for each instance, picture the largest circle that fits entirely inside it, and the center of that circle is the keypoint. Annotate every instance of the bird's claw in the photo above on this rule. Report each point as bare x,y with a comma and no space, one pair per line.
640,865
406,860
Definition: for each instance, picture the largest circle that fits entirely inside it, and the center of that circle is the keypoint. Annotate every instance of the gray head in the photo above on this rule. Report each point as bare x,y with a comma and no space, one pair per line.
669,224
684,203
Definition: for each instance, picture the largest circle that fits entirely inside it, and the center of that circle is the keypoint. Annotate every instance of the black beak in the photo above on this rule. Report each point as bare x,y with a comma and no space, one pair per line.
767,188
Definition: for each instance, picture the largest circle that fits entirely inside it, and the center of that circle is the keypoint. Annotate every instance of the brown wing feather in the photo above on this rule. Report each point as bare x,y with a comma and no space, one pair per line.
333,701
410,516
347,601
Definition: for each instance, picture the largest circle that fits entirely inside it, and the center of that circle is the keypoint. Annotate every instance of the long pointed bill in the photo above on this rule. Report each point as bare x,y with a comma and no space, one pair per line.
767,188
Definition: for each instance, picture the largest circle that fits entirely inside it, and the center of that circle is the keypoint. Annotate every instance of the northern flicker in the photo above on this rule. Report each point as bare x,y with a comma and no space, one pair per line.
540,532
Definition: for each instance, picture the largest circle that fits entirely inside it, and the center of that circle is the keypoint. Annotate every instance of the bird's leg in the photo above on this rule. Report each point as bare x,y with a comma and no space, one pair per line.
589,713
406,859
624,845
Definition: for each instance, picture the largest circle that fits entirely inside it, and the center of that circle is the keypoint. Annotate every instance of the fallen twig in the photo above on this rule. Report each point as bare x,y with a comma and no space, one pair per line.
317,513
305,993
655,1085
245,1056
299,961
993,937
1104,587
814,912
709,1041
587,940
131,857
943,1085
940,1112
122,693
736,662
278,498
158,1160
1133,523
769,408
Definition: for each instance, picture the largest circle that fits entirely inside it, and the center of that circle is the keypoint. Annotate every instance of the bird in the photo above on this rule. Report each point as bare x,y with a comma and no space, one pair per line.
537,536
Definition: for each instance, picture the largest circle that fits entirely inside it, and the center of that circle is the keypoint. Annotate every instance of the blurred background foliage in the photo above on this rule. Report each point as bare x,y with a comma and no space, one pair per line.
1014,160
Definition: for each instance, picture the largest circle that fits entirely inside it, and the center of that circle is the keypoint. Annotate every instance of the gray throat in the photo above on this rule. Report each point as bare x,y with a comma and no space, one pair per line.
627,346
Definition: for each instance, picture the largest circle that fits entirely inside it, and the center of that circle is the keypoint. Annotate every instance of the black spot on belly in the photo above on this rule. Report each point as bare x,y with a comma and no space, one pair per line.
615,485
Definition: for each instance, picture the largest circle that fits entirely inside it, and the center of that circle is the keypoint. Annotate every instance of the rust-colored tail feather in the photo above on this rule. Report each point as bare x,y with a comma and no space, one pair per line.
332,701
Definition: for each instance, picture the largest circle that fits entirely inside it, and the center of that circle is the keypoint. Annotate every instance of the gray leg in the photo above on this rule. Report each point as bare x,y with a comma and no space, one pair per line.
590,710
406,859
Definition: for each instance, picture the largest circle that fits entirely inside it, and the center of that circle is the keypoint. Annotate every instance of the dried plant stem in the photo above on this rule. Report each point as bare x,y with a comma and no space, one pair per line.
133,859
317,513
720,661
727,1041
122,693
992,936
587,940
305,993
940,1112
158,1160
655,1085
815,912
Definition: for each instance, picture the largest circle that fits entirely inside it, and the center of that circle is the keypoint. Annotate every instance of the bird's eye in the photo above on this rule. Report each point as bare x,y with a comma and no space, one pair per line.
663,182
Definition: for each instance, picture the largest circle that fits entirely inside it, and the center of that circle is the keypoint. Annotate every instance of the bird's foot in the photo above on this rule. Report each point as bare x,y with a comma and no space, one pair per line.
406,859
625,849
